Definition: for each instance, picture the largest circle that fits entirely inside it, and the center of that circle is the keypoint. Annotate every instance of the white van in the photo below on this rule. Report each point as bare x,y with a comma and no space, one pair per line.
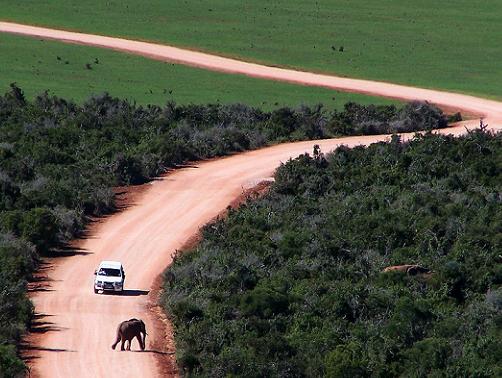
110,276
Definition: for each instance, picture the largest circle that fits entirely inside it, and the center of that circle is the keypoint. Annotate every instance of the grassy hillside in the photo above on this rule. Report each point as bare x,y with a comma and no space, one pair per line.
37,65
293,284
451,44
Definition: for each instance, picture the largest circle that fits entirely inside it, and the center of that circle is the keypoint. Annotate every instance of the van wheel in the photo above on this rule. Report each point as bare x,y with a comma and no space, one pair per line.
95,291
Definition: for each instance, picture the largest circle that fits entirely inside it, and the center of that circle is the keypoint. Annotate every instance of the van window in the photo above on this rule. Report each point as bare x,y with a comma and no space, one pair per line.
109,272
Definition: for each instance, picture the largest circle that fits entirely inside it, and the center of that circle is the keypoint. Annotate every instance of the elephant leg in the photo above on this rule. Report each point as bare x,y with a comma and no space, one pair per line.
138,337
129,344
122,345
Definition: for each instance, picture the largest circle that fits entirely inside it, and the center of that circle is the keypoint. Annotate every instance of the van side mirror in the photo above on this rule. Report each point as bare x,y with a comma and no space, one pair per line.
95,272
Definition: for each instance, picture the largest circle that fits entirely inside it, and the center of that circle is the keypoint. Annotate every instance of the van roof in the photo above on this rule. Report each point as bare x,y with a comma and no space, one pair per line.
110,264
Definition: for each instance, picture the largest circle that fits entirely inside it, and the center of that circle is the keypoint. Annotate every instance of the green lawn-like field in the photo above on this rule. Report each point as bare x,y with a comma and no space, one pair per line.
37,65
453,45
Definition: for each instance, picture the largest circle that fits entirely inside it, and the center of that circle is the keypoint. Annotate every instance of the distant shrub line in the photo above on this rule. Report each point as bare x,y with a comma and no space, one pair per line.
292,284
59,161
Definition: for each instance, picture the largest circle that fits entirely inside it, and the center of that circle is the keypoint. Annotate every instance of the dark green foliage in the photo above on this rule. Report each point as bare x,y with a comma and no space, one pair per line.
17,261
264,302
346,361
10,365
359,119
292,284
59,162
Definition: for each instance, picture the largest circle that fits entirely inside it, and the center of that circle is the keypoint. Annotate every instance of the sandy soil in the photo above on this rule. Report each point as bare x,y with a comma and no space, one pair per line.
74,327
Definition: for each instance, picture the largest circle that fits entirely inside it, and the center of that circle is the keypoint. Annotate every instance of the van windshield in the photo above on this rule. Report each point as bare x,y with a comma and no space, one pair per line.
110,272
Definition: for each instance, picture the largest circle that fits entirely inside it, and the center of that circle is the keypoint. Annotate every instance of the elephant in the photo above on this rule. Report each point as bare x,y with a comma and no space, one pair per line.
128,330
411,270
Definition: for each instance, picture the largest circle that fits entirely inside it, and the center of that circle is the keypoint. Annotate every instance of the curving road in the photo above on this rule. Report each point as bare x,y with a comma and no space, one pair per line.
469,104
79,326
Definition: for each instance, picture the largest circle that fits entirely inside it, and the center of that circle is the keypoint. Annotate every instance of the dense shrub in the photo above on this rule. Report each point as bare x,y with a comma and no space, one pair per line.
292,284
358,119
59,162
10,365
17,261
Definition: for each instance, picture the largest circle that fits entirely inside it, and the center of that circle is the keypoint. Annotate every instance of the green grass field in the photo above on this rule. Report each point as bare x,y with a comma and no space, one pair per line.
37,66
453,45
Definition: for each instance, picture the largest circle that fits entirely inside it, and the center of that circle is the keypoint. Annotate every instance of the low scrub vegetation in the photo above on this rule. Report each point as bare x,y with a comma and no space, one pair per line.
59,162
293,284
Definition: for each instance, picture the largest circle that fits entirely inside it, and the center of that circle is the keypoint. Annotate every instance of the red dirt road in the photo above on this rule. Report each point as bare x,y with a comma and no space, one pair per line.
143,238
81,325
156,51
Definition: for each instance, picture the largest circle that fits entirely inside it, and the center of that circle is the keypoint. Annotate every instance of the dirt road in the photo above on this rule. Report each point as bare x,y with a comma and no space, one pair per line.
217,63
79,326
143,237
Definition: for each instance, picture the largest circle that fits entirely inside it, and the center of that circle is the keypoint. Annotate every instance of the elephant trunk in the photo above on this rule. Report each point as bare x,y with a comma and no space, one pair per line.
119,337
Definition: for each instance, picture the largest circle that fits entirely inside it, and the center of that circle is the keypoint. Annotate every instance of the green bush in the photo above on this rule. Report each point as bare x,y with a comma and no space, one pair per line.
292,284
10,365
39,227
59,162
346,361
264,302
